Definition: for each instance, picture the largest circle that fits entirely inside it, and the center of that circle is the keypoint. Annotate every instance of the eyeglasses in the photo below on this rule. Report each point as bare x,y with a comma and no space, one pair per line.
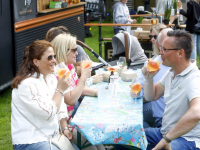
153,36
50,57
163,49
74,50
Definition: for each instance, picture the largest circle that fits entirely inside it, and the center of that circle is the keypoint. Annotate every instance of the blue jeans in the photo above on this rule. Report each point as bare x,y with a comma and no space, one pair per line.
149,120
154,136
78,102
159,123
38,146
75,108
146,6
35,146
196,46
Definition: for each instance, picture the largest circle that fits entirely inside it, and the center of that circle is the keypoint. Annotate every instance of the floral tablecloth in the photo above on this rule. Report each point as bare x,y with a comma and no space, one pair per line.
120,121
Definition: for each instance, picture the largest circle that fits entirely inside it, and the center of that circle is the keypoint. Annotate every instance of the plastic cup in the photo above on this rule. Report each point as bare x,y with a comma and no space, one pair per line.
104,95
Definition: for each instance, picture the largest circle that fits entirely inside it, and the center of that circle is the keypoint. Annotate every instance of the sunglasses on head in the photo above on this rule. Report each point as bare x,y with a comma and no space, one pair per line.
153,36
158,27
50,57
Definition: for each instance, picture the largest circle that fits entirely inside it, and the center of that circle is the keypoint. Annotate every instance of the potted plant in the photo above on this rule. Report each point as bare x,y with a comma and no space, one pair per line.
175,4
167,13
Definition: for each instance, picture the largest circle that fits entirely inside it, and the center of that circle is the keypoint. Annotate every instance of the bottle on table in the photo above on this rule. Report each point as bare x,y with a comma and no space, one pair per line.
111,74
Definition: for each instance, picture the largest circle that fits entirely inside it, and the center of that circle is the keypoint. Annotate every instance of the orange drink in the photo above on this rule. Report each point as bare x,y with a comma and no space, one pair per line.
136,87
61,72
86,64
153,65
112,69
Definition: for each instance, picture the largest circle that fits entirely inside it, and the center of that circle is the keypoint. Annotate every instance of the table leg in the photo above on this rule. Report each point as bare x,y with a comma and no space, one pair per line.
79,140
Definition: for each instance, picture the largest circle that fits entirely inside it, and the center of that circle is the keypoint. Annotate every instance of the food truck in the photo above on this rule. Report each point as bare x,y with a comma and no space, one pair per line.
24,21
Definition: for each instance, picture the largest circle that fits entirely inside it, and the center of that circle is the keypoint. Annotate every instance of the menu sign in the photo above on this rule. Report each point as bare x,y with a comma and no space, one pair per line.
24,9
92,4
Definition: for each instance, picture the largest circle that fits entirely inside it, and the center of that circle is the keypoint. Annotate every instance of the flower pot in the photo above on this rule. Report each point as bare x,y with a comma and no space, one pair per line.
166,21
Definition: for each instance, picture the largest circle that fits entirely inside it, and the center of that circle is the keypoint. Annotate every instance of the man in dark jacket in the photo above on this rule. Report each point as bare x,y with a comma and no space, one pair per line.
192,14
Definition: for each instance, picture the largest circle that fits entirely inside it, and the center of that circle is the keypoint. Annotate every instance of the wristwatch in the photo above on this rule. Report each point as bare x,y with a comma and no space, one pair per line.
65,128
166,138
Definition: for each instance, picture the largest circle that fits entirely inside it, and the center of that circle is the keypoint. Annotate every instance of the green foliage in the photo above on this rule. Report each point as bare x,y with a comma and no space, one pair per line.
139,19
167,11
175,4
93,42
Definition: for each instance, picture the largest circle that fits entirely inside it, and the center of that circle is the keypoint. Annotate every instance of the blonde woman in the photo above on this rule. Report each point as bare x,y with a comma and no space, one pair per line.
192,14
155,30
65,49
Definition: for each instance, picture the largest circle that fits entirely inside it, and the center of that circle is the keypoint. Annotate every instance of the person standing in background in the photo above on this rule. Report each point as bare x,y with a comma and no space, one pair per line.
121,15
192,14
160,6
146,4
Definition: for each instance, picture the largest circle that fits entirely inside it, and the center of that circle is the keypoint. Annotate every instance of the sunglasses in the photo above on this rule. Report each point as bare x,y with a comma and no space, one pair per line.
153,36
74,50
50,57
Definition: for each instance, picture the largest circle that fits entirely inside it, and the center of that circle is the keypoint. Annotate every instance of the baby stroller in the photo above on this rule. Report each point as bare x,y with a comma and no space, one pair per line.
95,54
127,45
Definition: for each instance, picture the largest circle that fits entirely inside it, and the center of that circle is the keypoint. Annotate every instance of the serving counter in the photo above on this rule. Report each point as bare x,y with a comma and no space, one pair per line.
36,28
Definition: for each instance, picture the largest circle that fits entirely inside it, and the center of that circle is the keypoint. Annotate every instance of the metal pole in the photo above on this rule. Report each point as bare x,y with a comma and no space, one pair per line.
100,39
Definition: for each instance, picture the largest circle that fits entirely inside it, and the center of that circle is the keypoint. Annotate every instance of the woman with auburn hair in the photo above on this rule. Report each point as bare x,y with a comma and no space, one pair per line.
37,97
65,49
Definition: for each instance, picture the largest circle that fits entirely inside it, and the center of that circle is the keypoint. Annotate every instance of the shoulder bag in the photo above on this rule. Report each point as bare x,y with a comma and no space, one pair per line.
60,141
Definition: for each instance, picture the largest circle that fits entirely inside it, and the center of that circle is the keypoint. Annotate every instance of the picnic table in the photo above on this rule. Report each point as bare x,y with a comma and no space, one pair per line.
119,121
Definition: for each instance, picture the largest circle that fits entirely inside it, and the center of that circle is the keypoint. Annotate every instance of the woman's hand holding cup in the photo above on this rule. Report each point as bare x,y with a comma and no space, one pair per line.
86,72
63,83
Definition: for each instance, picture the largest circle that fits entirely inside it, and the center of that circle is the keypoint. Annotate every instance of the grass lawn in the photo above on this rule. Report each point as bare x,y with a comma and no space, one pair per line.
5,120
93,42
5,96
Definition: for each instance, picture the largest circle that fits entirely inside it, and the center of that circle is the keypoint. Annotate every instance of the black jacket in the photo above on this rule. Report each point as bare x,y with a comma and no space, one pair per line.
192,15
146,1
